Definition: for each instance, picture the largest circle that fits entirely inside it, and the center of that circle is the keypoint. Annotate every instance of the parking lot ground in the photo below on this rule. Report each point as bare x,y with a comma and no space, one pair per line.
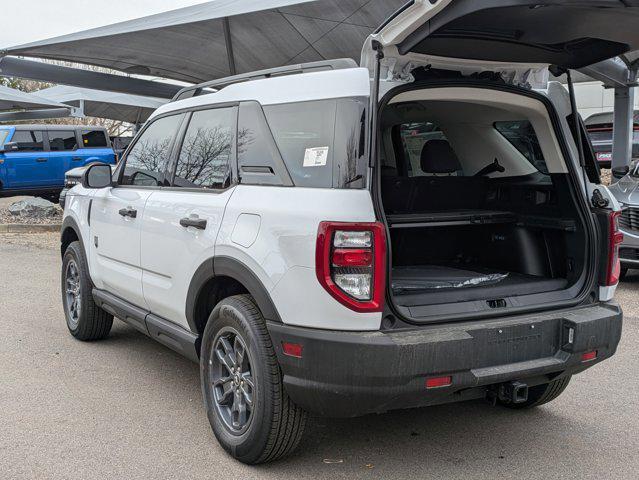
128,408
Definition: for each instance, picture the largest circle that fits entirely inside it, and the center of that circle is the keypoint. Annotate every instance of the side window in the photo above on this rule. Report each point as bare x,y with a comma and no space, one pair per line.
146,162
207,149
29,140
413,137
322,142
522,136
304,133
62,140
94,139
258,158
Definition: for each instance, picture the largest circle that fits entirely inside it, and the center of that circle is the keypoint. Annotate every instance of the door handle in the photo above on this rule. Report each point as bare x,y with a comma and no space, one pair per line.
198,223
128,212
76,159
41,160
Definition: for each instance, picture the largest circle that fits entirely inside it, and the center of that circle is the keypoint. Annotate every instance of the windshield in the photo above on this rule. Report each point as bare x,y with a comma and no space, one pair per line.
3,137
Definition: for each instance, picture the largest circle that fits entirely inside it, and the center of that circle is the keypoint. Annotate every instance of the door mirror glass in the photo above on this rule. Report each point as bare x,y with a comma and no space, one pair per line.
10,147
97,176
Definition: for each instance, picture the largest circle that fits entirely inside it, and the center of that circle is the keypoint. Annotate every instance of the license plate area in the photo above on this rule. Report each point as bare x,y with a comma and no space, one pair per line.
517,343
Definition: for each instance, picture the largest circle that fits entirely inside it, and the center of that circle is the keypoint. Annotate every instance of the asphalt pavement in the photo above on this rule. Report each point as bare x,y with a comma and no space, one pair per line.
128,408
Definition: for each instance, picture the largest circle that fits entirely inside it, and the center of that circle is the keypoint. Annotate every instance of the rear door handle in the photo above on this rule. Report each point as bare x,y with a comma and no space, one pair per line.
76,159
198,223
128,212
41,160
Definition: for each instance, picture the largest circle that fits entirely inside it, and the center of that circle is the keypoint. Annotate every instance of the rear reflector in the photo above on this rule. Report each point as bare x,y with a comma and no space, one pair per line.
589,356
292,349
355,257
437,382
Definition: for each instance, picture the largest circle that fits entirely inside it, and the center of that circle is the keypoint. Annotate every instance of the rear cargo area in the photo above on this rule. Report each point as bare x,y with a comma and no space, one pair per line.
479,204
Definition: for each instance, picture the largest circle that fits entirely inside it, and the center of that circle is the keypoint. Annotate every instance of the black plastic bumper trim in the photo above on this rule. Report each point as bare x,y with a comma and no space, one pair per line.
346,374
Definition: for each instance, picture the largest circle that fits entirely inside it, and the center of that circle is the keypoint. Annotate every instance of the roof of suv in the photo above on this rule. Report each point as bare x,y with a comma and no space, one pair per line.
350,82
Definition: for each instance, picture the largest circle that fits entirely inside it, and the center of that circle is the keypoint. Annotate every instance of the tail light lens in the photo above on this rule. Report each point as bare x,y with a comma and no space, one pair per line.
350,263
616,237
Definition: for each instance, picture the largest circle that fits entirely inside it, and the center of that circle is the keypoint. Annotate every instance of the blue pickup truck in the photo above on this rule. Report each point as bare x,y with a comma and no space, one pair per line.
34,158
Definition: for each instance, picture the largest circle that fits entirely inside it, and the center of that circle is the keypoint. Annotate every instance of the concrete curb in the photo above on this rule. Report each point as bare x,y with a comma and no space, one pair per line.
29,228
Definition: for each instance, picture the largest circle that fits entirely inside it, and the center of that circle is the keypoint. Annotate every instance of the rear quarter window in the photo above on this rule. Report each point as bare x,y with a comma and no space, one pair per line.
522,136
322,142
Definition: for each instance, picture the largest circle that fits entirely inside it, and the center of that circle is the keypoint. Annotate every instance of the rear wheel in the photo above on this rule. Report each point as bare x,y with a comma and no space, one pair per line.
85,320
249,411
541,394
623,273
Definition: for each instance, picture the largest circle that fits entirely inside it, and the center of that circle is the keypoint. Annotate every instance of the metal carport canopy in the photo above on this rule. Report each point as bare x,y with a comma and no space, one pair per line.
222,37
12,99
96,103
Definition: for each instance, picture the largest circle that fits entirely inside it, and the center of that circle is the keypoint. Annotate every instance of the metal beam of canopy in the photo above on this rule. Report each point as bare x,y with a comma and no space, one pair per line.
222,37
44,114
111,105
12,99
17,67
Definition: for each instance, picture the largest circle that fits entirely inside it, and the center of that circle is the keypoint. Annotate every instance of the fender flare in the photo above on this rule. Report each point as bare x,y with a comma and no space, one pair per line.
70,222
232,268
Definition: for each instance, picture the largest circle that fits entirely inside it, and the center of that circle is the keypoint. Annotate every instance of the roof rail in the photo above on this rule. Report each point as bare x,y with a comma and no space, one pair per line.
213,86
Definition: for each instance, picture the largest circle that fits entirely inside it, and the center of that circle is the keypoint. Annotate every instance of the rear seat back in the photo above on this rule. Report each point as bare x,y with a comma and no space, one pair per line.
440,189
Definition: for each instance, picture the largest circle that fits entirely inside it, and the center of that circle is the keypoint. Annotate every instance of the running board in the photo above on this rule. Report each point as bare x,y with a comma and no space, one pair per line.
159,329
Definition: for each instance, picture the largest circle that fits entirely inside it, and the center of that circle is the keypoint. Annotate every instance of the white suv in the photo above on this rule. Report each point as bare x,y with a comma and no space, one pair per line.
316,251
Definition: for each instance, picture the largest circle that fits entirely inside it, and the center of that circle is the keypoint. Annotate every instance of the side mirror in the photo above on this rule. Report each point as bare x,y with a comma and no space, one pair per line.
97,176
10,147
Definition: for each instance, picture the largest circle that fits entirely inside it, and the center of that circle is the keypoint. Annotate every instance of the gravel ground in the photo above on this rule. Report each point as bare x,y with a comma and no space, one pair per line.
127,407
6,217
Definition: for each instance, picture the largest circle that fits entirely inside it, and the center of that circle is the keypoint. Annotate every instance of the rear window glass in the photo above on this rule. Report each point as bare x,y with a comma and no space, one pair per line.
62,140
28,140
522,136
94,138
321,142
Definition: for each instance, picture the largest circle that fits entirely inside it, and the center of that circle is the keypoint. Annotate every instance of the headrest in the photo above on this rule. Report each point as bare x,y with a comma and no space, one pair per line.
439,157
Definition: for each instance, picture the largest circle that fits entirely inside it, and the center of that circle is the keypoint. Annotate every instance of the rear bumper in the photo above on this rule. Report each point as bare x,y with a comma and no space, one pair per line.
343,374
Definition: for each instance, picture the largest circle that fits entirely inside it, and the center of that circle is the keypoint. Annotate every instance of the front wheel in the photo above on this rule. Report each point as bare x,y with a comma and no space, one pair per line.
85,320
248,409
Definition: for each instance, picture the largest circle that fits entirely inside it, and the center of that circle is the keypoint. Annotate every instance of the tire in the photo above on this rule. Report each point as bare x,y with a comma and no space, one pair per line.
272,427
541,394
623,272
85,321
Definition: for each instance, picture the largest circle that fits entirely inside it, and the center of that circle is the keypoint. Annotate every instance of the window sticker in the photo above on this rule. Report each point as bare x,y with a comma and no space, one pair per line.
316,157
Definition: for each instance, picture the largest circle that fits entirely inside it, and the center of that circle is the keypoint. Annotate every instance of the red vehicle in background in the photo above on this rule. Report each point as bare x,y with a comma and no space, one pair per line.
599,128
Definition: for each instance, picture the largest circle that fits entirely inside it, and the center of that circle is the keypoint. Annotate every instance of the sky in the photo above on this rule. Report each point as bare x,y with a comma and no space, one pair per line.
29,20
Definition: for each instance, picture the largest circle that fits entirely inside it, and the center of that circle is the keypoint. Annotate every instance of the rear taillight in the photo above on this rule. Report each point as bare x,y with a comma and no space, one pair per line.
616,237
350,261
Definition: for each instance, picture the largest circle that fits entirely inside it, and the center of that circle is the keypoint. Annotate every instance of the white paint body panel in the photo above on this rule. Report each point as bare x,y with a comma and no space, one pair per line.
283,254
172,253
116,259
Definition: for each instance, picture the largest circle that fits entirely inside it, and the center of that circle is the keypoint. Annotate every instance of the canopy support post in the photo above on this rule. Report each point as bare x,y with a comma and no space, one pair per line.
623,127
229,45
